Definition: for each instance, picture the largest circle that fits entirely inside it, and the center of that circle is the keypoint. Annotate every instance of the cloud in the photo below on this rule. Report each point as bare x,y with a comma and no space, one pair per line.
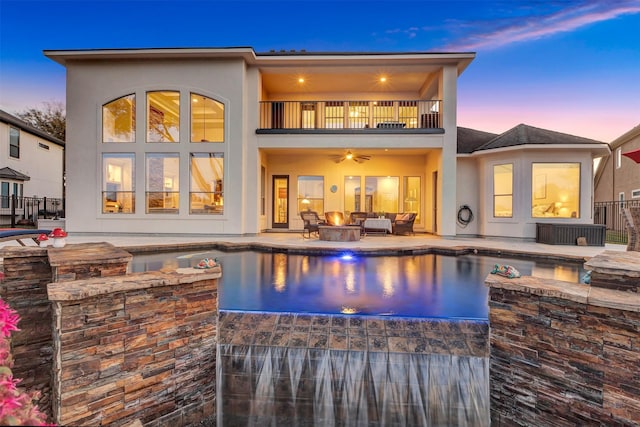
526,23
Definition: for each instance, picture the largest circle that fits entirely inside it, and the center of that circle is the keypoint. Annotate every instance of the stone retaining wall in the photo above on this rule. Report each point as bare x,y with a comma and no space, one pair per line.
564,354
24,288
123,348
135,347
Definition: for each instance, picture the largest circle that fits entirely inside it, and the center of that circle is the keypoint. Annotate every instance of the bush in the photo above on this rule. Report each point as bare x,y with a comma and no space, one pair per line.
16,405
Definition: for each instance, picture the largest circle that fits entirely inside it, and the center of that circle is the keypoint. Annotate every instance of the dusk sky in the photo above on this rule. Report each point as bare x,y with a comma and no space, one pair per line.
568,66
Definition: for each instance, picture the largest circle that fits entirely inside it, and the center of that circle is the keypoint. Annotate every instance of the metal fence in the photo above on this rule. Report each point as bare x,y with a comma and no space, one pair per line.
25,211
610,215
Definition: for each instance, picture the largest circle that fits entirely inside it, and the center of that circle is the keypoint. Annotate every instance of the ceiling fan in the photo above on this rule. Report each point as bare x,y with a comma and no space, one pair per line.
350,156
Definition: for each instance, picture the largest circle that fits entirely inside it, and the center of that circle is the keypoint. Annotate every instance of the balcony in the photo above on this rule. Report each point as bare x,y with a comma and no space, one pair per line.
350,117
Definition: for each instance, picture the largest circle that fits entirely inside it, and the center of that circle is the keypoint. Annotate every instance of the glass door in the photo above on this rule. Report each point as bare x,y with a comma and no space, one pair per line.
280,201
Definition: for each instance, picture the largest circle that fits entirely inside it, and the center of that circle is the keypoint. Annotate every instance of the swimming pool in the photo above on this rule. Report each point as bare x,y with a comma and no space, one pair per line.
422,286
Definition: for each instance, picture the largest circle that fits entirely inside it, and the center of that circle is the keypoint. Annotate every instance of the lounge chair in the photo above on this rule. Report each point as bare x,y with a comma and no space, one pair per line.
311,223
403,223
18,234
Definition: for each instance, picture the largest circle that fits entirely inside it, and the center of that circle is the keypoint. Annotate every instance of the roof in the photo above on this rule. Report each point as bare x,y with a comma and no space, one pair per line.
22,125
8,173
470,139
528,135
626,137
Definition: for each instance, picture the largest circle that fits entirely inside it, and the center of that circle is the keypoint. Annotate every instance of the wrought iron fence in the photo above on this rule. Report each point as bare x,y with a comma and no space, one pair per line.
610,215
25,211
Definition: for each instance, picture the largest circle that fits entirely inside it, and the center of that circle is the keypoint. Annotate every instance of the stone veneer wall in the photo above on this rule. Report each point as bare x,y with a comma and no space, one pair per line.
564,354
24,288
135,347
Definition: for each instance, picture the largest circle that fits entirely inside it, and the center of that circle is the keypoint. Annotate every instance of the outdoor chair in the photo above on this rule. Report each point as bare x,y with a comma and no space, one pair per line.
358,218
403,223
632,221
311,223
334,218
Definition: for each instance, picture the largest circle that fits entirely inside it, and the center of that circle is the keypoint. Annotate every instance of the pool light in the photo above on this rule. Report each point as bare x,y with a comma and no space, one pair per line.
347,256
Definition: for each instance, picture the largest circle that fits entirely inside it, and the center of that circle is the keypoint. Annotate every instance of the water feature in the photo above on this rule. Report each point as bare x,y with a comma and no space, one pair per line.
364,341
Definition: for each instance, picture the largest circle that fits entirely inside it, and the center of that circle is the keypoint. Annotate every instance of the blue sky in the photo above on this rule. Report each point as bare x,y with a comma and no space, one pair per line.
568,66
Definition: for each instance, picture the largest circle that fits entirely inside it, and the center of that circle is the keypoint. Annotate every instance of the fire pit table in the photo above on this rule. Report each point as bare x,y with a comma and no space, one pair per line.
339,233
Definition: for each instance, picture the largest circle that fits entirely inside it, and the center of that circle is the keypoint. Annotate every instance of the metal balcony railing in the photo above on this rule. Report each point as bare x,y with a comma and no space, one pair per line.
338,115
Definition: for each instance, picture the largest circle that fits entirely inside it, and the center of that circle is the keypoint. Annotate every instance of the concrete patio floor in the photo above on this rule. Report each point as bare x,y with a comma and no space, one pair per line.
367,243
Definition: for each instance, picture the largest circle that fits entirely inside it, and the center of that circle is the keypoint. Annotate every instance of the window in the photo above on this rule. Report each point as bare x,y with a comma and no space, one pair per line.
555,190
206,193
503,191
163,116
358,114
618,157
383,111
408,113
311,193
118,184
412,197
263,190
635,194
162,182
4,193
308,115
14,142
352,201
119,120
207,119
381,194
334,115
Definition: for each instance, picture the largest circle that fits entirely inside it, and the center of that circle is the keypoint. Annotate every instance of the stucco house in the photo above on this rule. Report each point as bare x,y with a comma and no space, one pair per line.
227,141
31,164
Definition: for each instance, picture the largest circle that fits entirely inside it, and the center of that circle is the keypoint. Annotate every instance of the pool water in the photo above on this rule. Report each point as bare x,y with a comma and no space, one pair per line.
423,286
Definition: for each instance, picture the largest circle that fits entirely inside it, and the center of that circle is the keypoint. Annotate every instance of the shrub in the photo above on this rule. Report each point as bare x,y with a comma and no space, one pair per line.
16,405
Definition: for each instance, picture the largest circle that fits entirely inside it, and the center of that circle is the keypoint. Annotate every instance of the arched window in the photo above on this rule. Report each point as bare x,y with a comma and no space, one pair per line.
119,120
207,119
163,116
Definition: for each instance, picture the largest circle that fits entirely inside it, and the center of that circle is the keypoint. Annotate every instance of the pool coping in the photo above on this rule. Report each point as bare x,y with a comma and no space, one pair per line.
426,249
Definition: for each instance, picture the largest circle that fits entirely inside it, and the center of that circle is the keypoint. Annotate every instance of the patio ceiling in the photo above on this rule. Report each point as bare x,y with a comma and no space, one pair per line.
340,151
348,80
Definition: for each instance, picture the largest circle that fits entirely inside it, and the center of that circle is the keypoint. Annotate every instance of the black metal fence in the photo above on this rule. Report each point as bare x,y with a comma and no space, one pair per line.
25,211
610,214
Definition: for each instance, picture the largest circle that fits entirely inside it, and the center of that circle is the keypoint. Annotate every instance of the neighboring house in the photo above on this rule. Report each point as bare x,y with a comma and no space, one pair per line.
31,164
618,177
229,141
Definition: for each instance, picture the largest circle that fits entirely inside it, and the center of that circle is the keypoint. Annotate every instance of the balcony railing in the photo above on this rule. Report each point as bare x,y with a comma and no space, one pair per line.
343,115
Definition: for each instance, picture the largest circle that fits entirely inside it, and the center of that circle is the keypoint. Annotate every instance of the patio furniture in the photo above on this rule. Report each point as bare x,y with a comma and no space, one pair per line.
403,223
378,225
311,223
632,222
334,218
358,218
339,233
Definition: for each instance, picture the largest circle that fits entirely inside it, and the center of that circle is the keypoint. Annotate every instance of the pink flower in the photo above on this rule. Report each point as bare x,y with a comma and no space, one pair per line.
8,320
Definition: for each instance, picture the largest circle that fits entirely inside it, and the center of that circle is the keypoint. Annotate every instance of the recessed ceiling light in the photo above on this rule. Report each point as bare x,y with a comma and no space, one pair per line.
383,79
300,80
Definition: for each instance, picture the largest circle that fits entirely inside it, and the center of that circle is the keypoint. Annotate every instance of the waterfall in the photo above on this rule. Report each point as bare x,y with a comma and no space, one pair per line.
274,386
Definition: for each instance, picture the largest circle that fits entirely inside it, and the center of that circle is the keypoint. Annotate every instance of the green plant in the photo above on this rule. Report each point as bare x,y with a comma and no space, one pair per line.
16,405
